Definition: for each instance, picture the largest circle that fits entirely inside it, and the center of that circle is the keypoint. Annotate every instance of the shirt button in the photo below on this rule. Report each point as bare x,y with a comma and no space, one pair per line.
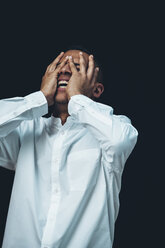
54,190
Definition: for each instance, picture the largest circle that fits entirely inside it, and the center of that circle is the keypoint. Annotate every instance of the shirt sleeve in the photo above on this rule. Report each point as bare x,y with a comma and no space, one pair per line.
13,111
115,134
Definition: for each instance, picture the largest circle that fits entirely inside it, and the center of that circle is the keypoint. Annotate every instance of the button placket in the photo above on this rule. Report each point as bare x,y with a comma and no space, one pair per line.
55,196
55,186
62,132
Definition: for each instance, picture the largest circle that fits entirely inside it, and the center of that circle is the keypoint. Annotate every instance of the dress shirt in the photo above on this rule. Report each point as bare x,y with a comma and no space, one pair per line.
67,177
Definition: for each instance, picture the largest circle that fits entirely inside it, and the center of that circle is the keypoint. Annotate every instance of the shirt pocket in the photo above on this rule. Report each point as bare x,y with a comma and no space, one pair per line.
83,168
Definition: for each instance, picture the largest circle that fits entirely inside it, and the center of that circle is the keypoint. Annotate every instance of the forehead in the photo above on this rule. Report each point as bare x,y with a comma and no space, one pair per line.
75,55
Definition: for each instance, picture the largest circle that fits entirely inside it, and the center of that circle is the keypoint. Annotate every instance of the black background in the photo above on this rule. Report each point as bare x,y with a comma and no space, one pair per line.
128,39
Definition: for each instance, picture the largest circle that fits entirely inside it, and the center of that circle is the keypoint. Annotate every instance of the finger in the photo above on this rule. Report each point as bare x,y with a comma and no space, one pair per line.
58,58
95,75
48,68
53,65
91,66
62,64
72,65
83,65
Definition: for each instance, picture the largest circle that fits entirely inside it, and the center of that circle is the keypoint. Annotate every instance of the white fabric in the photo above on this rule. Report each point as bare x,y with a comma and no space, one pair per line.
67,177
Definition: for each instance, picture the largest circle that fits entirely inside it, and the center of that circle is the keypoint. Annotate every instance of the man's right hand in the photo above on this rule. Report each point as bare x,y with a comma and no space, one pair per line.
49,80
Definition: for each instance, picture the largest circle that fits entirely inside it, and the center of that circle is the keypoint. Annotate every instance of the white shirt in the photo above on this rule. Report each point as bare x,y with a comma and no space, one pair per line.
67,177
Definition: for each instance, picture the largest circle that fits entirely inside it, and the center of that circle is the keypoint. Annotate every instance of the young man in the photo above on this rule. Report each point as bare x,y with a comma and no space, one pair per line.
68,167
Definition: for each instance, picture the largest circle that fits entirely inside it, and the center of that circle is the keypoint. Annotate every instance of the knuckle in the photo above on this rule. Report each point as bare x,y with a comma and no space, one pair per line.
62,64
54,72
55,61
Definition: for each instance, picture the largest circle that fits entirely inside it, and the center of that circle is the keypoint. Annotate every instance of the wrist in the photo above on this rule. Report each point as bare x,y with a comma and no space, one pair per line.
49,98
74,93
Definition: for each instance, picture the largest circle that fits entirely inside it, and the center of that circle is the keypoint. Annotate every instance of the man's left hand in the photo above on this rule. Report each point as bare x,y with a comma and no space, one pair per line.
82,81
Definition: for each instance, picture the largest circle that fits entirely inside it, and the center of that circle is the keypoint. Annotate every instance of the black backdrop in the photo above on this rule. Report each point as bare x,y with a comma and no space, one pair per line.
128,40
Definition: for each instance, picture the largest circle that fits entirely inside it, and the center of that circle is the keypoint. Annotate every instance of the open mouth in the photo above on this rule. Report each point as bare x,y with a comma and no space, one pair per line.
62,84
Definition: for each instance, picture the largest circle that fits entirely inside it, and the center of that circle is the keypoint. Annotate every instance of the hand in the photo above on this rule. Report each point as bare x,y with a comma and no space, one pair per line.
49,80
83,81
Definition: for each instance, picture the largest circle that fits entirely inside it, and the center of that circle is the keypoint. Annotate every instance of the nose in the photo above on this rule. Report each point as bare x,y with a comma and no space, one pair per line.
65,69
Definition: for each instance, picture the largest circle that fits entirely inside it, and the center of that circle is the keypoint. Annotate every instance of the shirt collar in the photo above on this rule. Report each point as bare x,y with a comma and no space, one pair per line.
55,122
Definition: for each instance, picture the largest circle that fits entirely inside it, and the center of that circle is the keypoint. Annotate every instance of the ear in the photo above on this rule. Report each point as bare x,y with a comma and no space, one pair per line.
98,90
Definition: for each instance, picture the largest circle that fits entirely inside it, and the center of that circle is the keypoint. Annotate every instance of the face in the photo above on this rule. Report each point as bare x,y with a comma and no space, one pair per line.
65,74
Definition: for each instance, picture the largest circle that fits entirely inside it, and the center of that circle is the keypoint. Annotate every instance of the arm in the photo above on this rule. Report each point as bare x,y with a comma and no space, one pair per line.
115,134
13,111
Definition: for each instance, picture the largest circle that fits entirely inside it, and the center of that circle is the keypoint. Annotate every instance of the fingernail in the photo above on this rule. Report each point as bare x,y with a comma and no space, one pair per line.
91,56
67,57
70,57
81,53
97,68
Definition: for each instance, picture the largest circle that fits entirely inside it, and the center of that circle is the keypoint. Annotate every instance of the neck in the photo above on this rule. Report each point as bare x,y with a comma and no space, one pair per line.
61,111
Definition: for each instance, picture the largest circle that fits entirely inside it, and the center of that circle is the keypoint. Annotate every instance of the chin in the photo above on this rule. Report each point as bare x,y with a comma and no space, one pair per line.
61,99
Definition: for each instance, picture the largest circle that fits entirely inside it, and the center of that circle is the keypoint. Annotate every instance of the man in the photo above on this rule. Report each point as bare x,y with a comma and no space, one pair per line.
68,167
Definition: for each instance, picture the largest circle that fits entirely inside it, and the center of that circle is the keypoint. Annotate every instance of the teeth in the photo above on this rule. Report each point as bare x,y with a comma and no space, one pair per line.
62,82
62,86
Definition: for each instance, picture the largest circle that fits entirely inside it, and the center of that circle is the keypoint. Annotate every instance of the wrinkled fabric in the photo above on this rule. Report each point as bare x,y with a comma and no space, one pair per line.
67,177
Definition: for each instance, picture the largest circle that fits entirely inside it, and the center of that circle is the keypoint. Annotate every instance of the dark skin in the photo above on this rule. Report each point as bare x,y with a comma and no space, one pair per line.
81,73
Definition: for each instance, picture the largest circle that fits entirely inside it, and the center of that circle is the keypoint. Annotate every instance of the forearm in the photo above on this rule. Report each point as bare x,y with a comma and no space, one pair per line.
15,110
115,134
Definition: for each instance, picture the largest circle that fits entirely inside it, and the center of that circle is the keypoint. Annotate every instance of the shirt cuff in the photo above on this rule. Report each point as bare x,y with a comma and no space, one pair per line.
38,103
77,103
